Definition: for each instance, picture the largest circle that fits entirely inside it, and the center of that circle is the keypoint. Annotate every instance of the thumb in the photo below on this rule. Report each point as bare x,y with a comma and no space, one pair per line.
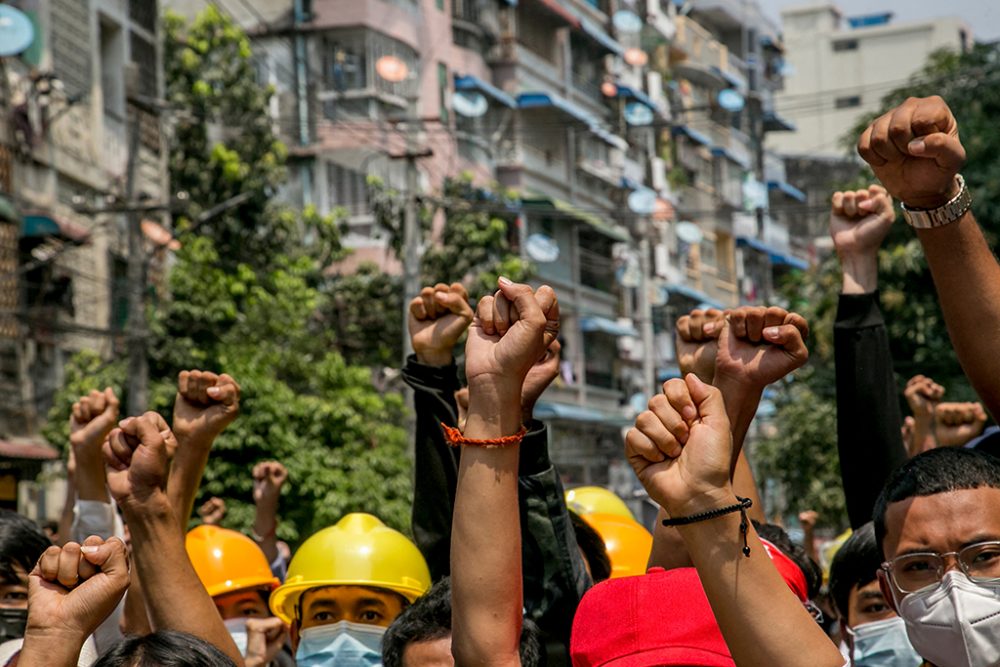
523,298
789,337
112,404
455,302
946,150
226,391
708,400
110,557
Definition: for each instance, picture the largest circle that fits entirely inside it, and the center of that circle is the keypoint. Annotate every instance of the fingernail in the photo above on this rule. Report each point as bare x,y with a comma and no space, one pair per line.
213,391
506,282
771,332
916,147
866,204
709,328
89,550
688,412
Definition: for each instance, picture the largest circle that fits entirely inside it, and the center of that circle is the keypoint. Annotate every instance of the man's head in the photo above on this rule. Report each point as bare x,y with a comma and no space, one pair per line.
21,545
355,604
854,580
421,636
233,570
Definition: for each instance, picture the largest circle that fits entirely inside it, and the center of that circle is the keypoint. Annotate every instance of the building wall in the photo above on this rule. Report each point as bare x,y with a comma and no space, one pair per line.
839,74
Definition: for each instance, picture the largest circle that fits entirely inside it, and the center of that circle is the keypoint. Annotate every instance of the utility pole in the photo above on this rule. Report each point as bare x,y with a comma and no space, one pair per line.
645,308
136,335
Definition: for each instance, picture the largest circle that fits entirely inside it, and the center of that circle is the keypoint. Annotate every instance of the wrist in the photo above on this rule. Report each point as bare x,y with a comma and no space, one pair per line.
860,273
150,506
700,502
435,357
932,200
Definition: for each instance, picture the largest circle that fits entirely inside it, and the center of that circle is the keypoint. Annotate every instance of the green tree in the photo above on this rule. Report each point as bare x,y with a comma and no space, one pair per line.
802,455
245,298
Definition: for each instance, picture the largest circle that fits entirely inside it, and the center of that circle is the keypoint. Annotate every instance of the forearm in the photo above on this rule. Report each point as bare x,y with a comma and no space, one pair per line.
66,517
55,650
742,401
923,435
135,618
859,273
762,621
967,278
486,544
91,483
265,526
175,598
185,475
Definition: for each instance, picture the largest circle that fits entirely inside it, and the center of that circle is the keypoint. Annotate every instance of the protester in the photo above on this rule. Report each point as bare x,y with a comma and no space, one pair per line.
268,478
555,564
346,584
21,545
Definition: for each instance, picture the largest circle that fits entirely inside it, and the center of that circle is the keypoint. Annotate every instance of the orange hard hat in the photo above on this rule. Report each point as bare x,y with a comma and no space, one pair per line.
227,561
628,544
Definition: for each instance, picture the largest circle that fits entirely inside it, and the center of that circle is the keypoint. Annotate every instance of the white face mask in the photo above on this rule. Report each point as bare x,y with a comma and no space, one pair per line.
956,623
882,644
238,631
340,644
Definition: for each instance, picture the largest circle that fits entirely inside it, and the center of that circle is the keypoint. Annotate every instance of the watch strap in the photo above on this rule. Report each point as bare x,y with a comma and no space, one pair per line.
942,215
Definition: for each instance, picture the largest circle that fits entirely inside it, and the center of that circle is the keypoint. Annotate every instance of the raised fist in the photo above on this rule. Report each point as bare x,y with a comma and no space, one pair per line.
957,423
915,152
697,342
681,448
212,511
922,394
205,404
72,589
436,321
860,221
808,519
268,478
758,346
137,460
265,637
93,417
511,332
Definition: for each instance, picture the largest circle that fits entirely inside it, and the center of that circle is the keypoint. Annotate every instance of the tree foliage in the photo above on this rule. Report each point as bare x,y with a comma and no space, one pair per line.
802,456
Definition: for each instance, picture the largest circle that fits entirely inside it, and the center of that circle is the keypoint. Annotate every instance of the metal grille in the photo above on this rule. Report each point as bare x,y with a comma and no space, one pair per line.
71,44
143,14
143,55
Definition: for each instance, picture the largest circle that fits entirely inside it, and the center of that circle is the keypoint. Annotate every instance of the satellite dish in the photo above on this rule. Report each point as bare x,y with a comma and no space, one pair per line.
731,100
642,201
689,233
627,22
470,104
16,31
392,69
542,249
636,57
637,113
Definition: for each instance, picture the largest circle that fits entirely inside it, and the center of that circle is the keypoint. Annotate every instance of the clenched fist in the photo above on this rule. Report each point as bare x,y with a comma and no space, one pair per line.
137,460
915,152
697,342
758,346
436,321
205,404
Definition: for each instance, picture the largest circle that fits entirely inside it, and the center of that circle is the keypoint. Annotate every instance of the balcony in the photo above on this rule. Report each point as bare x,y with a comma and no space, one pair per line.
115,145
698,200
542,74
697,56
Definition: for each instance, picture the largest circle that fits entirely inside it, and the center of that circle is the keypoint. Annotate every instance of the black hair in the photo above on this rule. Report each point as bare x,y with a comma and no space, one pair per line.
777,536
592,545
165,648
429,619
856,564
936,471
22,543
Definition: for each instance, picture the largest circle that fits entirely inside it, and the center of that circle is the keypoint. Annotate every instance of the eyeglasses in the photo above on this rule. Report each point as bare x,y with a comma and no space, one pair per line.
911,572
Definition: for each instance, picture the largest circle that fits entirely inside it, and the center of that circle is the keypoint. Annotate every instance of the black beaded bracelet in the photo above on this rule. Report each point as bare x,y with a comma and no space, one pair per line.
742,506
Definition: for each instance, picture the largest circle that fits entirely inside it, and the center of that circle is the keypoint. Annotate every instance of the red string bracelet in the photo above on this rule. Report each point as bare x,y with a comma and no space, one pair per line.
454,437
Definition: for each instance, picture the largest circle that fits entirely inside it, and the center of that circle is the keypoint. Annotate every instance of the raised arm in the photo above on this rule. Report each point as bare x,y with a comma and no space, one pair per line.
268,478
683,459
869,439
916,153
93,417
922,395
136,454
510,333
205,405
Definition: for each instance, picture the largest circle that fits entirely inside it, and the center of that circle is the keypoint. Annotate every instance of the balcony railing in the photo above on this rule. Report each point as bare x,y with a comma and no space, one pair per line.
698,45
114,145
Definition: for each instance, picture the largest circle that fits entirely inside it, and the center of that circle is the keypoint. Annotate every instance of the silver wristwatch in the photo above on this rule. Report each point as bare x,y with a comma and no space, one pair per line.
919,218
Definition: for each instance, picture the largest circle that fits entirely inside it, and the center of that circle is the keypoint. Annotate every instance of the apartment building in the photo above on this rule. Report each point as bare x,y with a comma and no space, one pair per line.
66,148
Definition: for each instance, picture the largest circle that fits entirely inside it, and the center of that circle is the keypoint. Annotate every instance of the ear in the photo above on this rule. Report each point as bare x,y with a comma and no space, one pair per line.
293,634
887,590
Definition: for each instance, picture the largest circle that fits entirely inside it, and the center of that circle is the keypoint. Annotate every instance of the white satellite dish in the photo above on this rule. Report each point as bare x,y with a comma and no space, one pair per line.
689,233
627,22
542,249
16,31
469,103
642,201
637,113
731,100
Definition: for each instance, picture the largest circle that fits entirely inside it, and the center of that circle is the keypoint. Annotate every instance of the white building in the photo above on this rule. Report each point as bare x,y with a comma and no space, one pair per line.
839,69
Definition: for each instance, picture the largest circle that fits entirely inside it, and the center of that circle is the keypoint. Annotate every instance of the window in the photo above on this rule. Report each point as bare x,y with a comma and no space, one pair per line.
344,65
143,55
846,45
848,102
348,189
439,4
112,81
465,10
349,58
70,29
143,14
443,92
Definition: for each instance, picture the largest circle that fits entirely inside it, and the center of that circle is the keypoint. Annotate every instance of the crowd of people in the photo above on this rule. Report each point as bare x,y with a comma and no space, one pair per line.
504,567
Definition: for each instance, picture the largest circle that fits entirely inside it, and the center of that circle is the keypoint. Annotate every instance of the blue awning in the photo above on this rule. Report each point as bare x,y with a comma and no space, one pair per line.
692,134
774,122
539,100
40,224
730,78
593,323
776,256
596,33
788,189
545,410
637,95
475,83
689,292
722,151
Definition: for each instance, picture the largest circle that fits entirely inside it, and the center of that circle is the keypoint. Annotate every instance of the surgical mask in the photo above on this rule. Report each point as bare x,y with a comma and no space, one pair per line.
340,644
12,623
883,644
955,623
238,631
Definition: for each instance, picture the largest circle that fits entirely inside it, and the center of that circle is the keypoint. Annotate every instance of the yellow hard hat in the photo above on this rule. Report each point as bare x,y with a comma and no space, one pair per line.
227,561
628,544
597,500
359,550
830,550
